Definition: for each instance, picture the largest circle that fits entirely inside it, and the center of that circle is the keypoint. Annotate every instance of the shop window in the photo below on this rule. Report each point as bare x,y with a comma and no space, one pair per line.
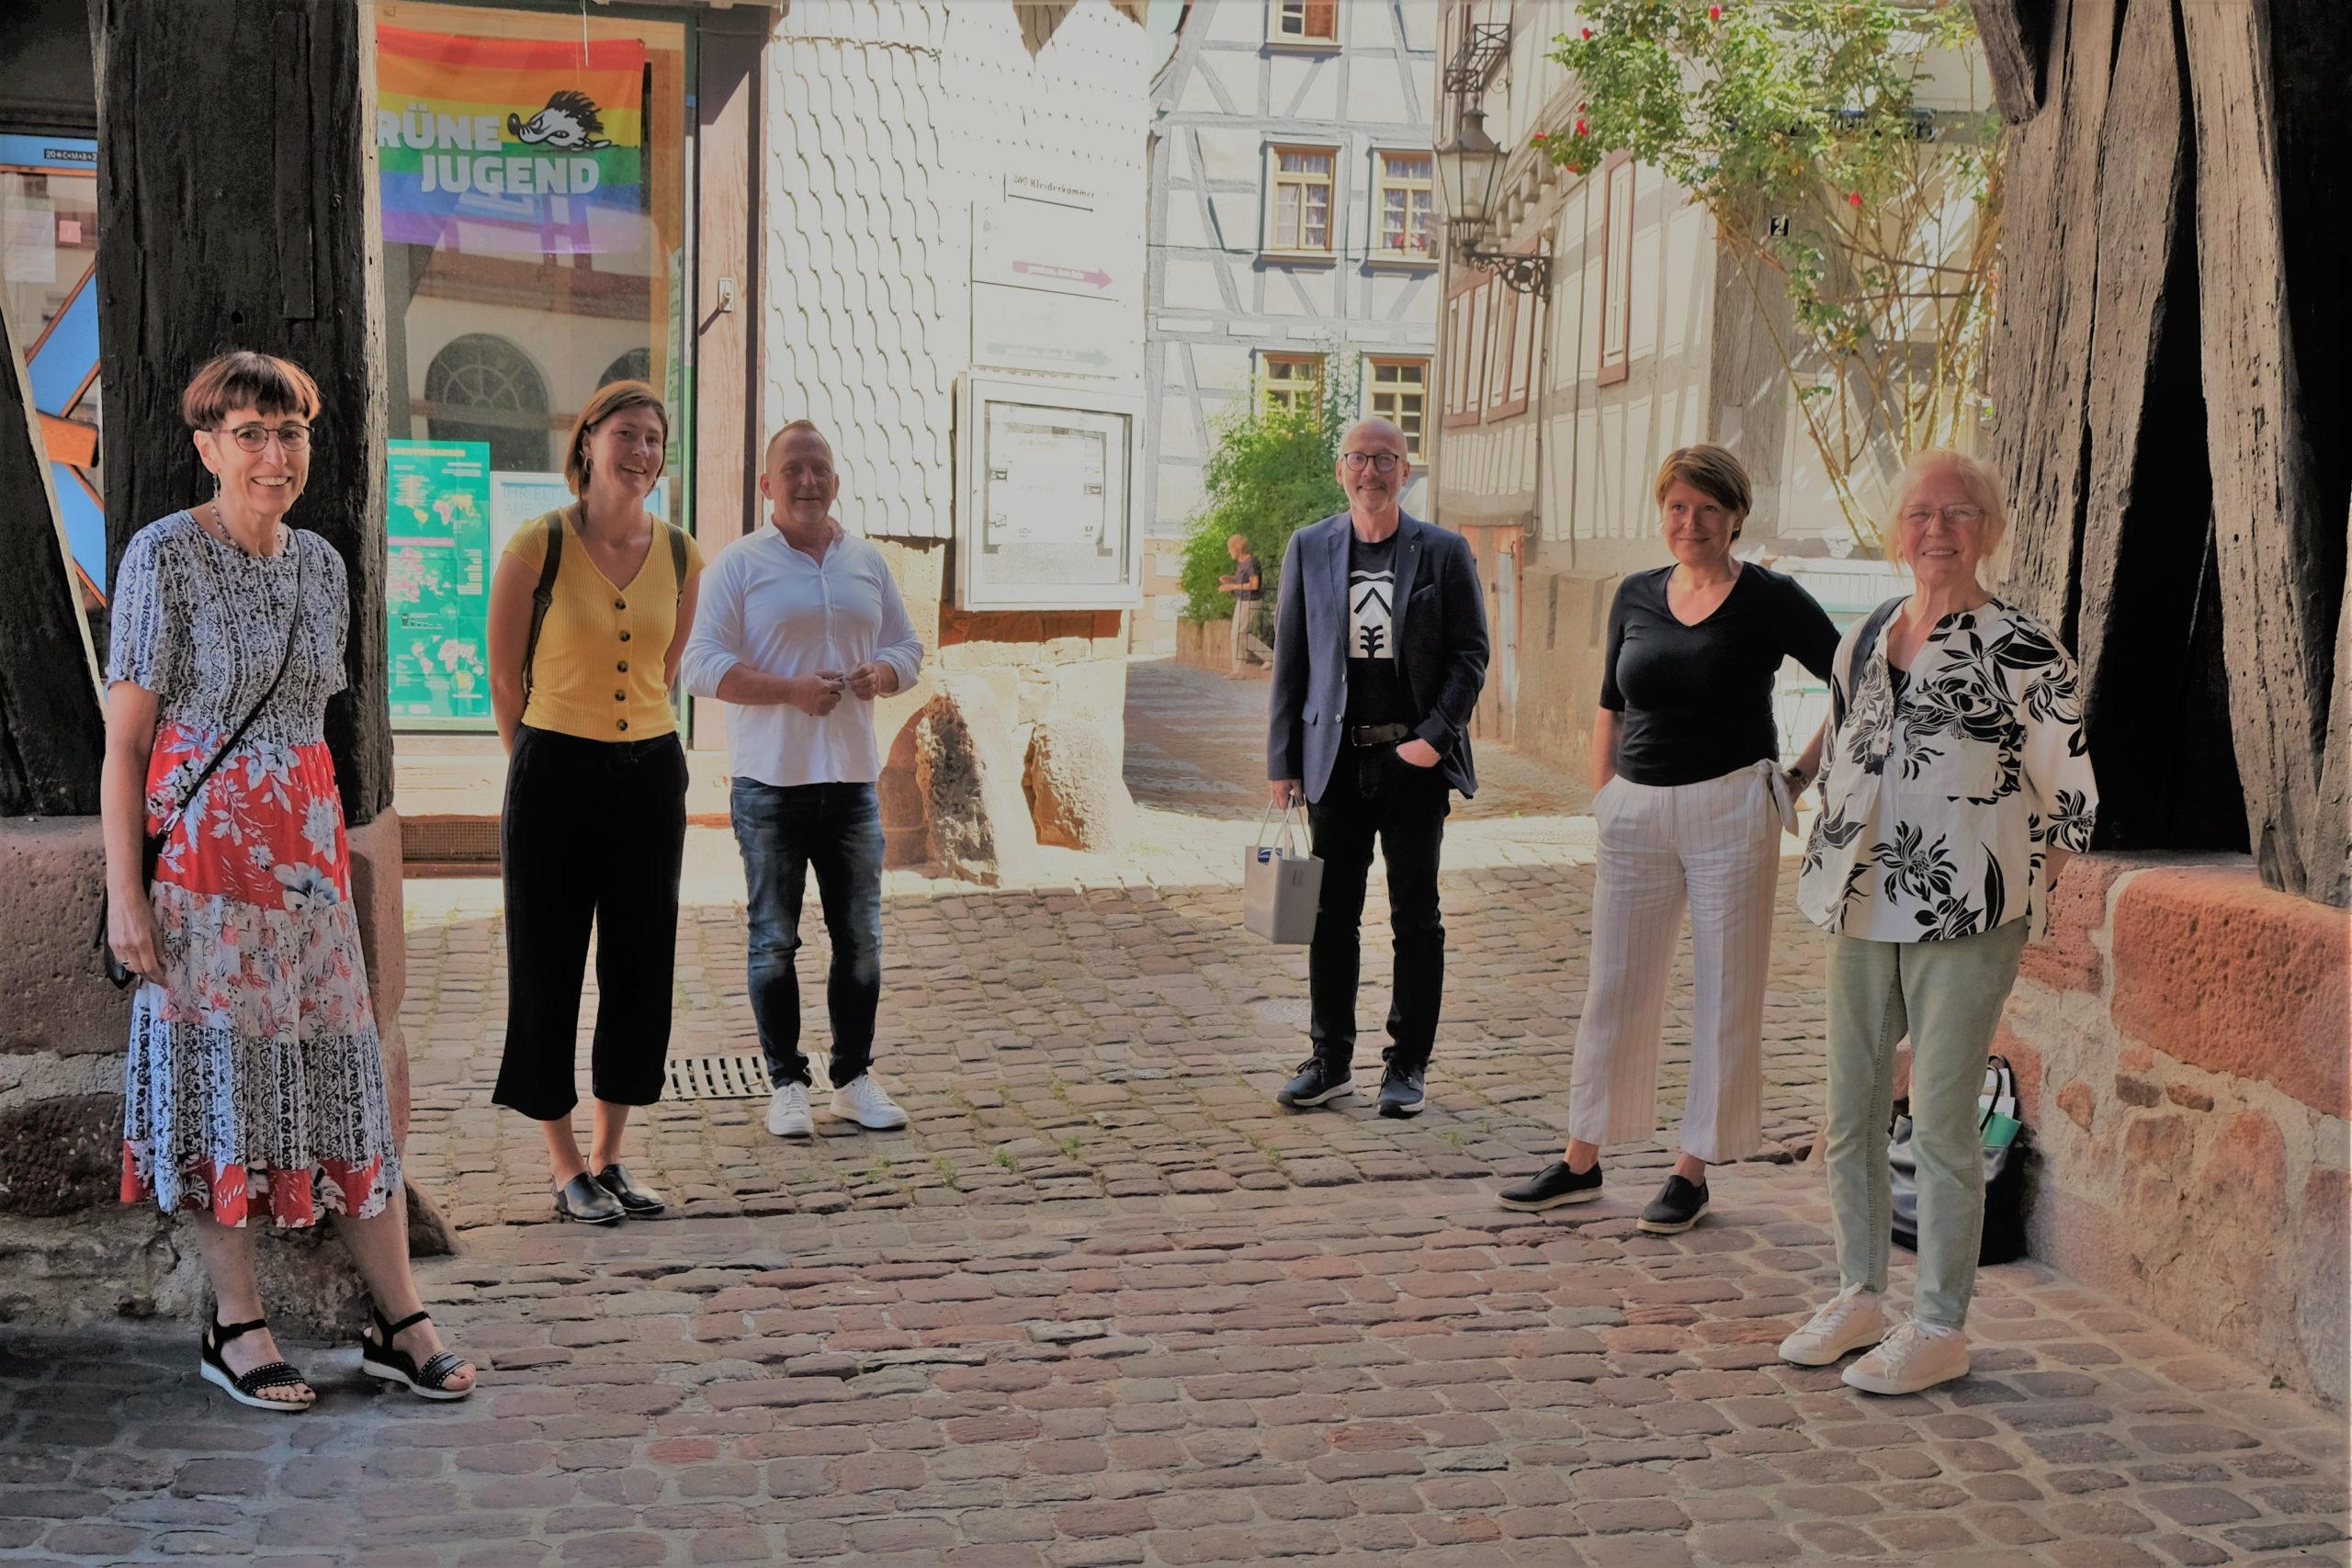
1292,381
537,237
482,389
1404,198
1397,392
49,295
1307,21
636,365
1301,219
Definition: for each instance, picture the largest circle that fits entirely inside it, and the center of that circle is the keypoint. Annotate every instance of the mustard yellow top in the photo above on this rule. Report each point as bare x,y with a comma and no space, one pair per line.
597,672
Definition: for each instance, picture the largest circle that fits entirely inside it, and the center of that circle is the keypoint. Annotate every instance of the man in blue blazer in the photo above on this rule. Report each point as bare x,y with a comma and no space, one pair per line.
1380,648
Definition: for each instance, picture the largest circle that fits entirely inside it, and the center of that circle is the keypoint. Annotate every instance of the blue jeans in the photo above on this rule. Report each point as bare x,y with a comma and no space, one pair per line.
783,832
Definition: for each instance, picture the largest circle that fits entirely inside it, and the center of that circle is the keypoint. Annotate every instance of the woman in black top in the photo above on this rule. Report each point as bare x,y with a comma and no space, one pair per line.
1690,800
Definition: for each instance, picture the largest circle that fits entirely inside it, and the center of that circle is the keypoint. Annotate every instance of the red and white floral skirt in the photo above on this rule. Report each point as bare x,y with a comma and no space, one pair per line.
256,1080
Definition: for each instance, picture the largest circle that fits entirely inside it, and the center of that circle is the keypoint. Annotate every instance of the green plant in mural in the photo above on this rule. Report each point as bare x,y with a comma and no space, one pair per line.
1797,124
1268,473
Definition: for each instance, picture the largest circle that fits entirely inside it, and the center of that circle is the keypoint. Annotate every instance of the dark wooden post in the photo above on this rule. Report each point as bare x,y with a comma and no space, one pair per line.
2170,406
52,739
237,193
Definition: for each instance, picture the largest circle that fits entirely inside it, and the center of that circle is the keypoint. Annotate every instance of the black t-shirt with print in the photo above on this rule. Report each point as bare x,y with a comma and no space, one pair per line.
1374,693
1695,703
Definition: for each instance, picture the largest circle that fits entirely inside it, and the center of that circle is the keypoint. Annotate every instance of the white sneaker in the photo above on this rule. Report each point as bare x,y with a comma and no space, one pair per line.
1916,1356
864,1102
1850,1319
788,1111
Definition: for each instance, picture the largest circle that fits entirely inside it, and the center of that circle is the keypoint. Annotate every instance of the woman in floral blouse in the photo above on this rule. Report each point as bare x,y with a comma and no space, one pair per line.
1957,786
255,1086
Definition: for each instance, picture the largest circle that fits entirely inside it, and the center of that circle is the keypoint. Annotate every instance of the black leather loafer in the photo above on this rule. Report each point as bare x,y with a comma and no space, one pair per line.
583,1200
637,1201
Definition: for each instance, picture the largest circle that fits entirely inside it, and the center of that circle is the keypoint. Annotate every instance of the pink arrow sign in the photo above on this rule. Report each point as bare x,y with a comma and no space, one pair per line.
1067,274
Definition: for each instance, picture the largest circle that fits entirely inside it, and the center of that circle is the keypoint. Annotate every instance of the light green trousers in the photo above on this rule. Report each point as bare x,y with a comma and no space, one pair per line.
1947,996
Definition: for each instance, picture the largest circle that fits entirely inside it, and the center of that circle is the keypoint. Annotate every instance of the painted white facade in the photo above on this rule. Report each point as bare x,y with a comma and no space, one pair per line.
890,127
1224,295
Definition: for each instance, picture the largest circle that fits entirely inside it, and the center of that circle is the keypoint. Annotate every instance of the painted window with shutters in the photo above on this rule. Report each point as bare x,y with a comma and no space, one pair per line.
1300,201
1403,206
1397,390
1305,21
1292,381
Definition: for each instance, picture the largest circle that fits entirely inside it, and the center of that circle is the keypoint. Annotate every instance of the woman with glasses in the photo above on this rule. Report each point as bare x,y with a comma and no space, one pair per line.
1959,785
1691,801
254,1085
594,834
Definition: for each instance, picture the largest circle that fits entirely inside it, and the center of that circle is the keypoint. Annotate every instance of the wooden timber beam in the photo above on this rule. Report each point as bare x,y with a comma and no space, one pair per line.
51,737
237,191
2016,38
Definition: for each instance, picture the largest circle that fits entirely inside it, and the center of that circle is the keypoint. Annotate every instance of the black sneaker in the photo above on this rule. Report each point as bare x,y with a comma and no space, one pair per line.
1554,1185
1678,1205
1401,1092
1318,1081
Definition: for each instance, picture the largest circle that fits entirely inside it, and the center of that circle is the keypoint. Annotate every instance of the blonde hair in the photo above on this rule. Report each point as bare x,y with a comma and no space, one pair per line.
1713,472
1982,488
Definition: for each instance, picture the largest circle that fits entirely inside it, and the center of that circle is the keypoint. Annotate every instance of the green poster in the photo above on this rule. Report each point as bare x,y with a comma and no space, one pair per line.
437,590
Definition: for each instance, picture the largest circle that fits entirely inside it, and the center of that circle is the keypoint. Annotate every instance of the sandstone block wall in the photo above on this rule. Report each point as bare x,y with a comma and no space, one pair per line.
70,1250
2181,1046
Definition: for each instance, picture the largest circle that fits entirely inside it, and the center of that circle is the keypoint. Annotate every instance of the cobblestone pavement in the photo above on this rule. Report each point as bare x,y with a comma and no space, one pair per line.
1104,1304
1401,1373
1111,1031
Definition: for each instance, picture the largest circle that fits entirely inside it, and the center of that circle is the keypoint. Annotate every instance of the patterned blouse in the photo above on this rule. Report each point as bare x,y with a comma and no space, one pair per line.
1946,790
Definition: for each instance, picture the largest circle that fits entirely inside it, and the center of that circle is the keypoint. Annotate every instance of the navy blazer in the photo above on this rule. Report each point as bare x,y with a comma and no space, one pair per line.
1440,638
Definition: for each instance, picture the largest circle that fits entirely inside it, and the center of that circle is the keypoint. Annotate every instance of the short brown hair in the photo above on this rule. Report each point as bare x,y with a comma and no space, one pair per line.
244,379
1709,469
776,442
610,399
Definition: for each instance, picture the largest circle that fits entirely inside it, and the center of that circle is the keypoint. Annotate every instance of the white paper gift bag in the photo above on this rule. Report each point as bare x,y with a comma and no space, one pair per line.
1282,883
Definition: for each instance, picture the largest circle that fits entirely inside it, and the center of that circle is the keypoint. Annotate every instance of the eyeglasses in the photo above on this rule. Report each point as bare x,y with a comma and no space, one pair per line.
256,438
1958,516
1382,462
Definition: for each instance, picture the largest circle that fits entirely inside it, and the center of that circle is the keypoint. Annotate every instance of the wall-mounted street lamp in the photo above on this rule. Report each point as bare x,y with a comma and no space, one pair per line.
1470,172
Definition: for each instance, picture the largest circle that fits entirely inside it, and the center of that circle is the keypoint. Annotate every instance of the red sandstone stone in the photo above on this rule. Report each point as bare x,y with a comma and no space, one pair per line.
2076,1101
2065,959
2217,971
2247,1170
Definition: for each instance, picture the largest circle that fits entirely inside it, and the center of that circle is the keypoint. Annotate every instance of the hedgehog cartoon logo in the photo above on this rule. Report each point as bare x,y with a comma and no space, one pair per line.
569,123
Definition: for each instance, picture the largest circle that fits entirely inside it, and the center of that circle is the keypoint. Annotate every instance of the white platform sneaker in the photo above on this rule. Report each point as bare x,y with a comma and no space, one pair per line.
865,1103
788,1111
1914,1357
1848,1321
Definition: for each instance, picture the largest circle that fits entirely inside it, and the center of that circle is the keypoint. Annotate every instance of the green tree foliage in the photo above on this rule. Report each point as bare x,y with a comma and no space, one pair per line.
1270,473
1807,112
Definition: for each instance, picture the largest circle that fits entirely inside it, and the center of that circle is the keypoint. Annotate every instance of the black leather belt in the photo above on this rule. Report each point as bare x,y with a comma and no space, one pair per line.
1378,734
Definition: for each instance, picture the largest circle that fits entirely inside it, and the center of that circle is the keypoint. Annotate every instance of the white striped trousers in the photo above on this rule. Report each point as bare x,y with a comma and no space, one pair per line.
1714,846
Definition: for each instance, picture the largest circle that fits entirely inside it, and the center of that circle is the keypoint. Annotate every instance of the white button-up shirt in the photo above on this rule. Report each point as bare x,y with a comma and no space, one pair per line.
768,605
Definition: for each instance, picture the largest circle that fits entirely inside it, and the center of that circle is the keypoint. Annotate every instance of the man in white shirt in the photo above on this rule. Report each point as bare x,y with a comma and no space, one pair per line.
800,629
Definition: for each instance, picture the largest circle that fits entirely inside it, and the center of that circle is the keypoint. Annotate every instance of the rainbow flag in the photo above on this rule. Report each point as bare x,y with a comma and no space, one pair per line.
524,142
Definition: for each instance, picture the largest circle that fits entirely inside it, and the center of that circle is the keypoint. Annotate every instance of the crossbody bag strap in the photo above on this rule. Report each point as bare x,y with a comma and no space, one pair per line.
543,596
221,752
1863,644
678,558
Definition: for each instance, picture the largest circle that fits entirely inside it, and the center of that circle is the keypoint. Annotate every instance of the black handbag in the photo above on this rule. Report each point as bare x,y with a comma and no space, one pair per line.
2000,1133
152,844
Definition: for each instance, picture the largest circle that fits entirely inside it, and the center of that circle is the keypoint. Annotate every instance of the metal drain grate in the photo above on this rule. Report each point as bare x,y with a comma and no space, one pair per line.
717,1077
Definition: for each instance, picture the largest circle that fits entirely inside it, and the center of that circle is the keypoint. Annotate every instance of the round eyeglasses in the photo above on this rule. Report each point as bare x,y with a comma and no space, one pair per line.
256,438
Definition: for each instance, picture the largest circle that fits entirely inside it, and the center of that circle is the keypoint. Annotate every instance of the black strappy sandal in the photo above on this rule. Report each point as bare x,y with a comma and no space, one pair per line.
245,1387
384,1359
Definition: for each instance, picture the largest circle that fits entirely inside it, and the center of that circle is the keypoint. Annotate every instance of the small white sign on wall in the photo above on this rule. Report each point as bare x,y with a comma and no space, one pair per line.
1050,498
